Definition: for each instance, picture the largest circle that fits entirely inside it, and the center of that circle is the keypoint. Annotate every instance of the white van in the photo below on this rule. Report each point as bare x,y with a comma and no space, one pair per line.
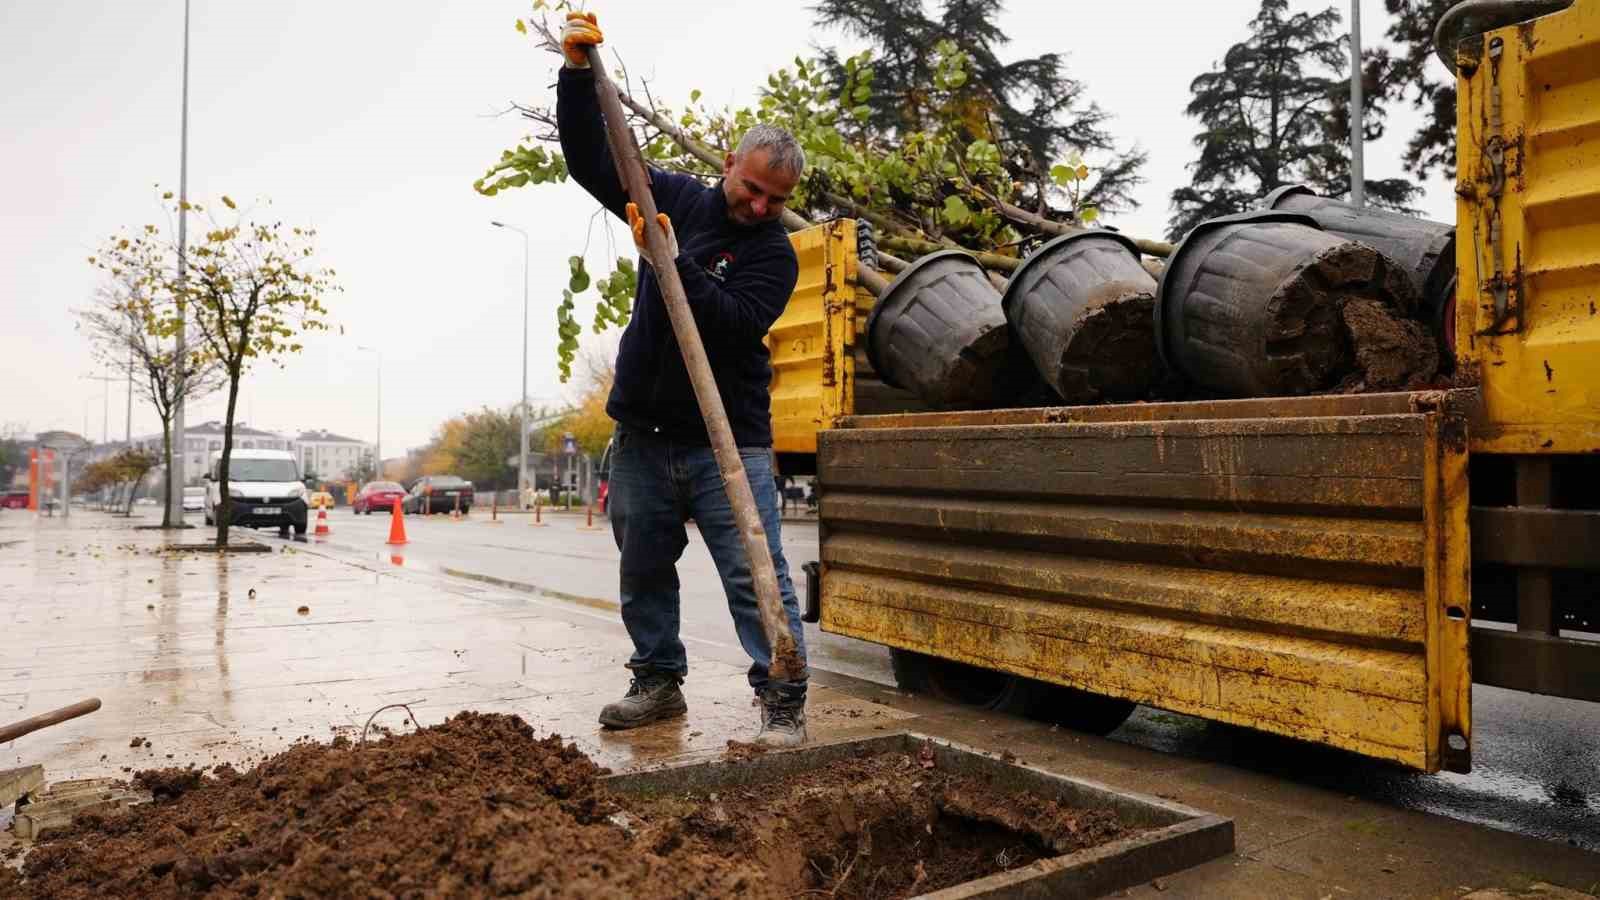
266,490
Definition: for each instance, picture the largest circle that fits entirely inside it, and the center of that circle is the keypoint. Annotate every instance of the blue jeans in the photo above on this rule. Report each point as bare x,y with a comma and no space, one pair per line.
657,486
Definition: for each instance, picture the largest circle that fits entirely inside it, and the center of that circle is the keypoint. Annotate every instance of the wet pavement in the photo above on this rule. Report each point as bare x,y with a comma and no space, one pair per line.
564,558
226,659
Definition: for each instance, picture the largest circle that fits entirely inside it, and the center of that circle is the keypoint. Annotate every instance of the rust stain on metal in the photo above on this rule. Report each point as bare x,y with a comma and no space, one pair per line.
1525,32
829,301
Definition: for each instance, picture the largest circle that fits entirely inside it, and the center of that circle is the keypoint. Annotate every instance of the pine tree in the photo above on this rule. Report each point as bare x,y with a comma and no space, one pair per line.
1418,76
1030,108
1276,111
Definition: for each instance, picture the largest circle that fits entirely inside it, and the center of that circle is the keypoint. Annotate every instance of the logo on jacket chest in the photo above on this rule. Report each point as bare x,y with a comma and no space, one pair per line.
718,267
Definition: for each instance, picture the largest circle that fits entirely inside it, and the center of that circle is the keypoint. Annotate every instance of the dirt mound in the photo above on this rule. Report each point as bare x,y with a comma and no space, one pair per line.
480,807
476,806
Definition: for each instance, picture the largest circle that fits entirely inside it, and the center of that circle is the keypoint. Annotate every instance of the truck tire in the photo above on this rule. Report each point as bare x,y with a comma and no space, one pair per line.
968,685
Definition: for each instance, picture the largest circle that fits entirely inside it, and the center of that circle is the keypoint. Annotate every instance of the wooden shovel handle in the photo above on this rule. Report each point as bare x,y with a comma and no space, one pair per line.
15,730
786,664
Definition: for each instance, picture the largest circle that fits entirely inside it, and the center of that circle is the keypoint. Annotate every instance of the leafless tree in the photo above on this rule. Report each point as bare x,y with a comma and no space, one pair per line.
119,327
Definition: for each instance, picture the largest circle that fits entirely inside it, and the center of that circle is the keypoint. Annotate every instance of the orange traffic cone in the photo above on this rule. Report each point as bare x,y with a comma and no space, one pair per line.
397,525
322,522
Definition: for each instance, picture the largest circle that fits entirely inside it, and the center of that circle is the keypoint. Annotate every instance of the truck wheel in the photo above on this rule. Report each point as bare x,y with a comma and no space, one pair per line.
968,685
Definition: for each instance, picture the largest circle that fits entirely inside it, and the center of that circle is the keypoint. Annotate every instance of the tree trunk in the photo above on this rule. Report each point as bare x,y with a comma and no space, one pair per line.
226,509
166,453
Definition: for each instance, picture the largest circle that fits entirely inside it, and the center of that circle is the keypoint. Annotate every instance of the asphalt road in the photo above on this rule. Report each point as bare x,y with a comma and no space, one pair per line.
1536,759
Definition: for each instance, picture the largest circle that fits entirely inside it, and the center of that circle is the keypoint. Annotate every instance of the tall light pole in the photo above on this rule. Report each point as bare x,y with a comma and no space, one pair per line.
105,410
522,402
127,436
177,448
1358,184
377,450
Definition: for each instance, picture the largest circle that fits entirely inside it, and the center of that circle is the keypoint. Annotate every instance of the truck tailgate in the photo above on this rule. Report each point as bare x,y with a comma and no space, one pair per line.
1294,565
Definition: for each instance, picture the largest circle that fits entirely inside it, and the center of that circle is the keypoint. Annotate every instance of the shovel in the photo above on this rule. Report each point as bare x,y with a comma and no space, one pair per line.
9,733
786,664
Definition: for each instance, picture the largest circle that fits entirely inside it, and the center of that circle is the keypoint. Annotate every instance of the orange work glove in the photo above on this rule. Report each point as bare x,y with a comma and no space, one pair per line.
636,222
580,33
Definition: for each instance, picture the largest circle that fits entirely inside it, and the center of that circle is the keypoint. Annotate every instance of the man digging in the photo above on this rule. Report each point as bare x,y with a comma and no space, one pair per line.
738,270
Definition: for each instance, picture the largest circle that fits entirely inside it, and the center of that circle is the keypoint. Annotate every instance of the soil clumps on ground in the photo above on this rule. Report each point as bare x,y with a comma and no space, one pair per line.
480,807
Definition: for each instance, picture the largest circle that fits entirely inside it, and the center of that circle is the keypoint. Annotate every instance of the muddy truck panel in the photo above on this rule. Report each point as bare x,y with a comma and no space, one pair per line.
1527,316
1527,330
1303,574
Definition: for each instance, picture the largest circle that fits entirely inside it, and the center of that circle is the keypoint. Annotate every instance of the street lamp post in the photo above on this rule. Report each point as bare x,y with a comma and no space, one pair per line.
377,451
105,411
1358,184
177,449
522,404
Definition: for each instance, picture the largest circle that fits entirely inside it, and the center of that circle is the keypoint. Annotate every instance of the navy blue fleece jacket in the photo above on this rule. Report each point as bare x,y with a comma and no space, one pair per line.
737,279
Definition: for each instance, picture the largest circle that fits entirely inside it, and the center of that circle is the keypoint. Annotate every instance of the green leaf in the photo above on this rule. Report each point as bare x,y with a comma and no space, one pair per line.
956,211
1088,214
1061,175
522,28
694,96
580,277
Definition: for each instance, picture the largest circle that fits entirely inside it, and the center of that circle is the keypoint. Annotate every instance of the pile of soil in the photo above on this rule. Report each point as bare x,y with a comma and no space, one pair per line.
479,806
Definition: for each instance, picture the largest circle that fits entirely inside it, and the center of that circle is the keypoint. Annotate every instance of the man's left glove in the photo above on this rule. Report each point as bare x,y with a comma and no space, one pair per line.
579,34
636,222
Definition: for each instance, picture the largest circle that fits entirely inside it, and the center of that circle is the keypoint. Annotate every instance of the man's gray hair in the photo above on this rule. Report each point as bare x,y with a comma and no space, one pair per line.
783,151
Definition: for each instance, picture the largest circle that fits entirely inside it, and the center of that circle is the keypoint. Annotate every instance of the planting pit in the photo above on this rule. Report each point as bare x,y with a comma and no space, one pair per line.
905,815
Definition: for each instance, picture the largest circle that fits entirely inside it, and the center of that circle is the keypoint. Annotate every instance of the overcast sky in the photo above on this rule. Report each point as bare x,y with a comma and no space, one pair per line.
371,121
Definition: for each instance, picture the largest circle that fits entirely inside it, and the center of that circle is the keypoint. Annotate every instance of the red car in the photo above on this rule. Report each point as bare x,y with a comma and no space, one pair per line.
13,499
377,495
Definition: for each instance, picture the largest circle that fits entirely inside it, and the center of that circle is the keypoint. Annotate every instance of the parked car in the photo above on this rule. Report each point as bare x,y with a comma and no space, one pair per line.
320,500
265,487
438,494
14,500
377,495
194,499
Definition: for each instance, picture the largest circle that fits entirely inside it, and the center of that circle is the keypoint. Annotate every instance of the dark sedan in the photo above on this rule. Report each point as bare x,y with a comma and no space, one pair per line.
377,495
439,494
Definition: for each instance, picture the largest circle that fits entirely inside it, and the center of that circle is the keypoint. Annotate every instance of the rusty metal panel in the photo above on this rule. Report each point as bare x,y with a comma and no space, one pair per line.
1537,663
1530,536
1527,315
1305,575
